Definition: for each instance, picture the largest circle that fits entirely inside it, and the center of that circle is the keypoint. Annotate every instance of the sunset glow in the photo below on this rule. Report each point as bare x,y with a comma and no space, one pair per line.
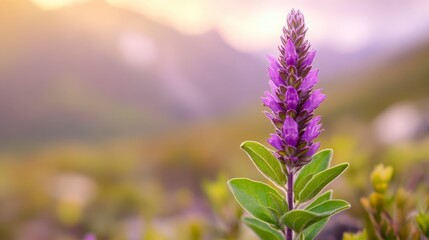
53,4
253,26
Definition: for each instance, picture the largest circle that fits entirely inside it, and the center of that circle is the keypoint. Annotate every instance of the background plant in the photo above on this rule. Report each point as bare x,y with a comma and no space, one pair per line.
393,213
226,224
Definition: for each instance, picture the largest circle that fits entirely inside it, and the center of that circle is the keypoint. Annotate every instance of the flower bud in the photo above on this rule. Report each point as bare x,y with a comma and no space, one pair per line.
380,178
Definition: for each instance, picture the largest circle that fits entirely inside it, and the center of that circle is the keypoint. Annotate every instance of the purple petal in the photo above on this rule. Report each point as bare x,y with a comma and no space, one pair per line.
275,77
274,64
315,99
273,87
290,53
277,122
312,130
310,57
290,131
273,71
313,149
270,101
275,141
310,80
291,98
269,115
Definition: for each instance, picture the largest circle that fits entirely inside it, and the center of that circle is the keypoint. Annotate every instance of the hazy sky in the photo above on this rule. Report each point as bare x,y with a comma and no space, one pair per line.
255,25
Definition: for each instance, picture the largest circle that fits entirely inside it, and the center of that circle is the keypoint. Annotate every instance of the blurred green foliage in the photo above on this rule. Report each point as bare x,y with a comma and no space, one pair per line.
422,220
157,189
392,213
355,236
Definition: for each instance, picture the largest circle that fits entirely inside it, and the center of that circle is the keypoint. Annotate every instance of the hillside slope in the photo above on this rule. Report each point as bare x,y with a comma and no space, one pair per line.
92,69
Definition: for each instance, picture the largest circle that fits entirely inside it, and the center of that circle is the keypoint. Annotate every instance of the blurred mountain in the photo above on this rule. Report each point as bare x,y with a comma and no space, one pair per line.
92,69
364,94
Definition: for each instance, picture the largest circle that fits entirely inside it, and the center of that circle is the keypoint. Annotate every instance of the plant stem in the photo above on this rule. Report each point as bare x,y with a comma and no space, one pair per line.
290,201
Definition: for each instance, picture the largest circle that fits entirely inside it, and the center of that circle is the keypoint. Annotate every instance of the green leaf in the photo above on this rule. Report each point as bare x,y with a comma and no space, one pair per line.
320,180
320,199
301,236
255,198
299,219
297,188
263,230
312,231
278,202
265,162
423,223
320,162
330,207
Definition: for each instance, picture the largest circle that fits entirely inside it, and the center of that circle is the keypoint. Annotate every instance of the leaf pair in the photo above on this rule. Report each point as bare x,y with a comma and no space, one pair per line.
316,175
311,220
300,219
257,199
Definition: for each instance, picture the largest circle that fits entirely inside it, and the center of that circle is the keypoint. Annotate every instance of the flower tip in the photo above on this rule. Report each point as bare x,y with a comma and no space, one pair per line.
295,16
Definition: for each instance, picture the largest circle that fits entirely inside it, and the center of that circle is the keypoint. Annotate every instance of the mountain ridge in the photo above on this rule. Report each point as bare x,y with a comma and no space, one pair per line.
92,48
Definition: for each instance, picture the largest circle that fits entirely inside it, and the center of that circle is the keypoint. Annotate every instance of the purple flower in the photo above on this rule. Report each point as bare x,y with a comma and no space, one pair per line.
313,149
292,99
270,101
275,141
310,56
273,71
290,131
310,80
291,55
277,122
312,130
315,99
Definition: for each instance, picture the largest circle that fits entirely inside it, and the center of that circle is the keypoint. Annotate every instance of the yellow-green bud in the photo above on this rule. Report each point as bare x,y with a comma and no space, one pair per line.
376,200
380,178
